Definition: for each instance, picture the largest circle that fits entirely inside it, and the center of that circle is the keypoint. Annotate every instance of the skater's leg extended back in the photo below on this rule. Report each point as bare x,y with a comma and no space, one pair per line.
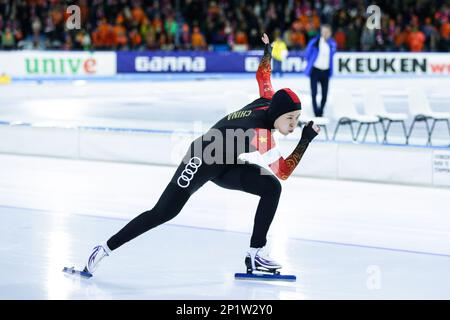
168,206
191,174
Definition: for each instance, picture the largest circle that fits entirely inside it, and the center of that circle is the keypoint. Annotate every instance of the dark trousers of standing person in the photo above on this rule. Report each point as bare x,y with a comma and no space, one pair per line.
322,77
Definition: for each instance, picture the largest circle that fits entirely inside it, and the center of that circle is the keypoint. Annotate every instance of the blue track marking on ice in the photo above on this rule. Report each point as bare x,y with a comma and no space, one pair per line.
245,233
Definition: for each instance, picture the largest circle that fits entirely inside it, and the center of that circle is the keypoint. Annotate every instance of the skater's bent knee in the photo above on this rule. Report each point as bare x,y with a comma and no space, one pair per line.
270,184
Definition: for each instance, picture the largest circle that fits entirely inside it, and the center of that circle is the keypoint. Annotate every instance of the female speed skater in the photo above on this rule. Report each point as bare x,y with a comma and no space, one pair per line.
255,123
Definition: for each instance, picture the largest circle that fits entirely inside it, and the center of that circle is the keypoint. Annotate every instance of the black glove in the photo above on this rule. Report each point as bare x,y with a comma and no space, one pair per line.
308,133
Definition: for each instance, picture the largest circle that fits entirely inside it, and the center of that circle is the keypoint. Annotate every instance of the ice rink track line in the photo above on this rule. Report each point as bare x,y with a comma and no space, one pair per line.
52,212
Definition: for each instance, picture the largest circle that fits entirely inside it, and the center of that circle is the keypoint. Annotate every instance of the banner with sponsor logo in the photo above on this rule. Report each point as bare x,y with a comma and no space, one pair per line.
58,64
392,63
192,61
66,64
345,63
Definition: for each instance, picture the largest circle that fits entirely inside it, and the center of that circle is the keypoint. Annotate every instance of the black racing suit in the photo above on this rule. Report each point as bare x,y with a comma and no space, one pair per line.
227,170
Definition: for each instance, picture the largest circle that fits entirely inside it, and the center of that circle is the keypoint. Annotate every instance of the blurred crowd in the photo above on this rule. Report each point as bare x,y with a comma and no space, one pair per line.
221,25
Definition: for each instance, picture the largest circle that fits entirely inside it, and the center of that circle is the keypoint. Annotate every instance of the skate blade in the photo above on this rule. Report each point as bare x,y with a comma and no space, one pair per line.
265,277
73,271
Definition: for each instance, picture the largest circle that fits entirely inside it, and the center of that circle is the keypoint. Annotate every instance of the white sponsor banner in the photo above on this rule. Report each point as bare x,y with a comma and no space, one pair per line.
35,64
391,63
441,168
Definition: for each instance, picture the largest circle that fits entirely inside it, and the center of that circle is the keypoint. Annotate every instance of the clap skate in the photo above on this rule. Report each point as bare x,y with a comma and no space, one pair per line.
82,273
261,267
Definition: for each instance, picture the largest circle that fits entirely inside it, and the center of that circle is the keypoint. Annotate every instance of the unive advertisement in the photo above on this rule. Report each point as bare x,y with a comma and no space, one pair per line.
58,64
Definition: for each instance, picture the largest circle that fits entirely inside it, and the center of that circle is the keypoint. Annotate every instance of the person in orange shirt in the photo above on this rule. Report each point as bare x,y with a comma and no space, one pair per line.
416,40
135,38
109,36
445,30
120,35
138,14
298,39
120,19
303,20
315,20
198,41
241,38
340,39
240,41
104,36
99,35
400,38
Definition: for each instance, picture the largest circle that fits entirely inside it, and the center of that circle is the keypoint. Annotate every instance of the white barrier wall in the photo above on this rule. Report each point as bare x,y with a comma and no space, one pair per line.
44,141
407,165
369,162
126,146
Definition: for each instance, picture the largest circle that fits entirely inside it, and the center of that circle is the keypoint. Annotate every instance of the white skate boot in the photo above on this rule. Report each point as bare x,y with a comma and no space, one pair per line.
258,259
262,267
98,253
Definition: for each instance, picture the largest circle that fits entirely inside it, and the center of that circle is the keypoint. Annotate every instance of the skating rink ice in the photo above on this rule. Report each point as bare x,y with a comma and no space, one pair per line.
342,239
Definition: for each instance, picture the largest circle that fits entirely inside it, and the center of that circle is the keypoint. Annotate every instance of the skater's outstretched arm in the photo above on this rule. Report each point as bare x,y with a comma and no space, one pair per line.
264,71
281,167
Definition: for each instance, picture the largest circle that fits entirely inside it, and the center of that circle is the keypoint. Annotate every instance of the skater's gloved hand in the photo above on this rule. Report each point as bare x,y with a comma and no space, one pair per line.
310,131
